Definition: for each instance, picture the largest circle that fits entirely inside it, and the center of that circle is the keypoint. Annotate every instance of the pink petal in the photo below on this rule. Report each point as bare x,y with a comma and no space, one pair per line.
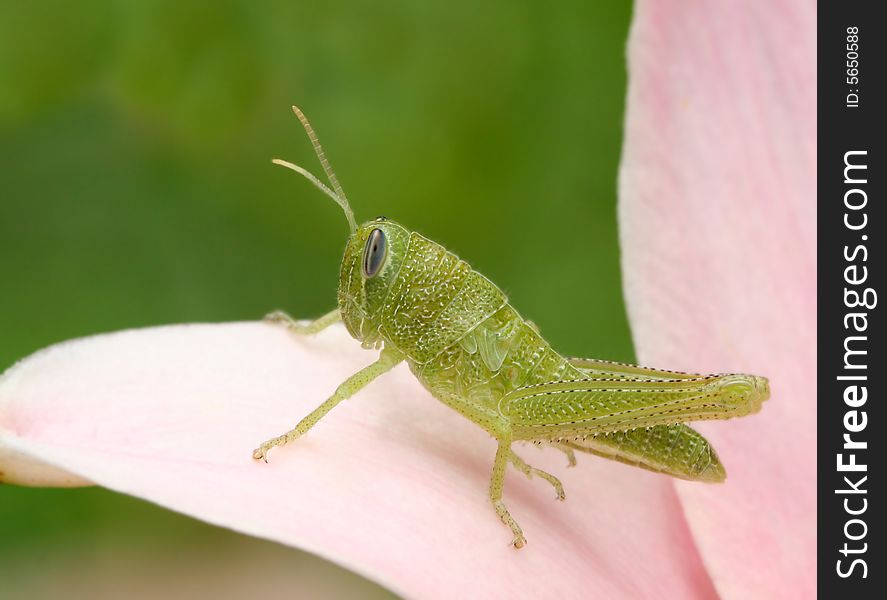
718,226
391,484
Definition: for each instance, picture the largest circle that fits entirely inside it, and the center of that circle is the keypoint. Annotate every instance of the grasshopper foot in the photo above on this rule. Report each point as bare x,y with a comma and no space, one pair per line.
519,541
261,453
278,316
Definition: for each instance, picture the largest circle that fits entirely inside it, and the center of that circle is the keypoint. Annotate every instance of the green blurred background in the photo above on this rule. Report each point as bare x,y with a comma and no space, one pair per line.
136,190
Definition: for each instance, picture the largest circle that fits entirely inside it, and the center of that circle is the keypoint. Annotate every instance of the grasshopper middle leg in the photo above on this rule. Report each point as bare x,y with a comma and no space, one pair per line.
497,483
529,471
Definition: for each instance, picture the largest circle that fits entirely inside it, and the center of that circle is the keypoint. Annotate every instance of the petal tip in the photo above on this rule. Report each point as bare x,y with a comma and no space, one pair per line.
19,468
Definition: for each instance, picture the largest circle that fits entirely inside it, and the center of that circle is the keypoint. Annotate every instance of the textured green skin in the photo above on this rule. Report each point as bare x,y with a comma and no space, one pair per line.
474,352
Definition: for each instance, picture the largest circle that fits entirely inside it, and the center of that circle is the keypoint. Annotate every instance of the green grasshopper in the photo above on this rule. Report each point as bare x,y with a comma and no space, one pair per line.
470,348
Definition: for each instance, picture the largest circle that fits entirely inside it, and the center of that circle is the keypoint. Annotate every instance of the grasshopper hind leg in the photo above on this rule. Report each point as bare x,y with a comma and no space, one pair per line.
568,452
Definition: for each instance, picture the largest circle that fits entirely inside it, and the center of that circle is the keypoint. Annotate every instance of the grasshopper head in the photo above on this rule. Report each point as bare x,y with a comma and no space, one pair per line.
372,260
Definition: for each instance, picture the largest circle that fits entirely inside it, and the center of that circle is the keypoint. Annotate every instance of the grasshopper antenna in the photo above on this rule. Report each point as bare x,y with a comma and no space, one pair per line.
337,193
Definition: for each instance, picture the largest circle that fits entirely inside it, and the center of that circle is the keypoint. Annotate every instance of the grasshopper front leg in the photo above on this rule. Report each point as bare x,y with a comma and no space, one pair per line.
315,326
388,359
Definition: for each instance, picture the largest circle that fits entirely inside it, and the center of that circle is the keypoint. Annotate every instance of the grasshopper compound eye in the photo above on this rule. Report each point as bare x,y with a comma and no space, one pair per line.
374,253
